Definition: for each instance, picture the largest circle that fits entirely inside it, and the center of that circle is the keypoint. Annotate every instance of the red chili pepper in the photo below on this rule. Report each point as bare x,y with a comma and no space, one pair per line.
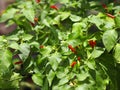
57,6
19,62
110,15
78,58
33,24
104,6
73,64
71,48
41,46
35,19
54,7
92,43
37,1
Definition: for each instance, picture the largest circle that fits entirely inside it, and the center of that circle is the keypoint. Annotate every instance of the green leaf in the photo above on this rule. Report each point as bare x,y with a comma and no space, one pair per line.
38,79
117,21
62,87
56,20
36,44
64,1
45,22
50,77
109,23
54,60
29,14
27,37
109,39
43,14
9,14
90,64
76,30
117,53
82,76
64,15
60,74
82,87
13,37
25,50
46,51
5,57
14,45
63,81
96,20
28,11
97,52
75,18
15,78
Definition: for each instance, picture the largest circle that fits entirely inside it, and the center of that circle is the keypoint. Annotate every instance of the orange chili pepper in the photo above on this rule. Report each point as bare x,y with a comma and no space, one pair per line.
110,15
73,64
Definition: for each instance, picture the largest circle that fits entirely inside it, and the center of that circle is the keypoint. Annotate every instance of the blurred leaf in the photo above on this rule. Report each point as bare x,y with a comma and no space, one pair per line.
117,21
5,57
117,53
50,77
15,78
43,14
63,81
56,20
64,15
97,21
91,64
76,30
14,45
54,60
25,50
13,37
82,87
9,14
97,52
63,87
64,1
27,37
36,44
82,76
109,39
38,79
46,22
109,23
60,74
75,18
46,51
28,11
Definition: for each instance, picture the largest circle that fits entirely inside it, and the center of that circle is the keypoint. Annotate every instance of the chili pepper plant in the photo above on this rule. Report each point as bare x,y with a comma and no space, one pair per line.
62,44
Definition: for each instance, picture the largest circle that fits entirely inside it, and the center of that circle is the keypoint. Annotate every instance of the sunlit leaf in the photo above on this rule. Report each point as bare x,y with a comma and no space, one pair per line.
117,21
117,53
54,60
38,79
9,14
64,15
5,57
27,37
109,39
25,50
28,11
50,77
97,52
75,18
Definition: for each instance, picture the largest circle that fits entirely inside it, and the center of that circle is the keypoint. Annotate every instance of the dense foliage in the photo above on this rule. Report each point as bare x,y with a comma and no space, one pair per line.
62,44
